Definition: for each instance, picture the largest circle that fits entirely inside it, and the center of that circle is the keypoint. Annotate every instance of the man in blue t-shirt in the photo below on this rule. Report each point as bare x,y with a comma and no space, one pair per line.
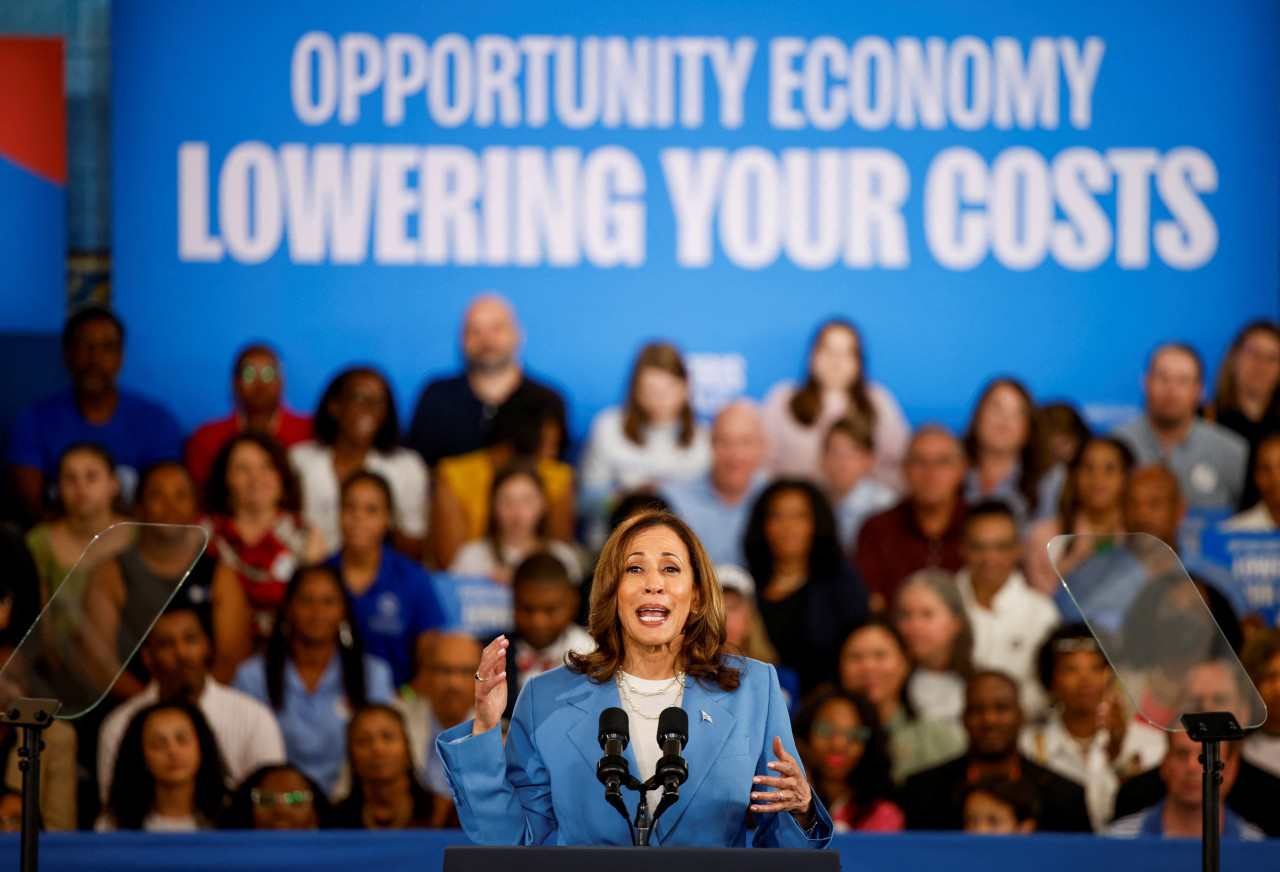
136,430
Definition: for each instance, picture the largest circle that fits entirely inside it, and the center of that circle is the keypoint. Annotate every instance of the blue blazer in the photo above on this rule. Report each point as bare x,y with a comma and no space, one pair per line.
542,788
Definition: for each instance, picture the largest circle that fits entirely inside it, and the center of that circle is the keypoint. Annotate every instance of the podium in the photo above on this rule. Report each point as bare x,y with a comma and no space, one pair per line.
465,858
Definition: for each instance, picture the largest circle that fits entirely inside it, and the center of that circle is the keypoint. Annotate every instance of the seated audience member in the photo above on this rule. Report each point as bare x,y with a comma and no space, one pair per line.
1246,396
848,761
744,631
546,602
650,440
440,695
1091,506
998,806
931,617
808,592
924,530
136,431
1261,517
279,797
168,776
394,601
315,672
992,719
259,541
717,504
874,662
517,529
1214,686
1065,432
356,429
525,428
86,501
257,385
455,415
176,652
1007,457
1209,460
385,792
1009,619
1261,658
797,417
10,811
1090,735
1180,813
847,459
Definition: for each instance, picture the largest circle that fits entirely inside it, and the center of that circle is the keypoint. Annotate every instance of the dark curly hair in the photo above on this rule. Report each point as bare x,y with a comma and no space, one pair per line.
218,495
824,554
239,813
870,780
325,425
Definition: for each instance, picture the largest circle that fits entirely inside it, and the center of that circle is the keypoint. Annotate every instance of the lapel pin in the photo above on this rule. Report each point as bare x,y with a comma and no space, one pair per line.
706,717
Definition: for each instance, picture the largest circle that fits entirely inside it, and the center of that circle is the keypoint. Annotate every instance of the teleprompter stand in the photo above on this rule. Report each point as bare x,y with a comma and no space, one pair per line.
33,715
1210,729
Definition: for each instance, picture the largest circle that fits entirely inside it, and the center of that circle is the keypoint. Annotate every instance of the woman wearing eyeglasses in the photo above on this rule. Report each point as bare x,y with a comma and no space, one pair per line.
278,798
848,761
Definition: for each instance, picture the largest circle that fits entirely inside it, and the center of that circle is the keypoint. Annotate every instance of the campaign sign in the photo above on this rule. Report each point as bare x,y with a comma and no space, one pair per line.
1246,567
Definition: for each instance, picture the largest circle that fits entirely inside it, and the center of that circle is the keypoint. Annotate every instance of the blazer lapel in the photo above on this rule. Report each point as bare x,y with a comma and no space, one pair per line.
707,736
591,699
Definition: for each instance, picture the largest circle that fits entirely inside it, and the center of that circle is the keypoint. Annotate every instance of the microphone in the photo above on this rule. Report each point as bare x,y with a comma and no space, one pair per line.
615,735
673,734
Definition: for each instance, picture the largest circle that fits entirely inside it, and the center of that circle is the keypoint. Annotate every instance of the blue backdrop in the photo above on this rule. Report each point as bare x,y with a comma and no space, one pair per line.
1042,189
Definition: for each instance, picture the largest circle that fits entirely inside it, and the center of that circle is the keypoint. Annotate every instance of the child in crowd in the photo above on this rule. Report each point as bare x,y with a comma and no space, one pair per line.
546,602
848,459
998,806
278,797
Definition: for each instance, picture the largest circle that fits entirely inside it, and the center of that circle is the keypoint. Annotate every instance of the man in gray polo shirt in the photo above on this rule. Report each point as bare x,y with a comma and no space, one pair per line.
1210,461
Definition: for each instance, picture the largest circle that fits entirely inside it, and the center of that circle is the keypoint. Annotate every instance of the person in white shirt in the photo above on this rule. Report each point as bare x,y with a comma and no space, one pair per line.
177,654
1261,659
1090,735
650,440
546,602
1009,619
931,617
1264,515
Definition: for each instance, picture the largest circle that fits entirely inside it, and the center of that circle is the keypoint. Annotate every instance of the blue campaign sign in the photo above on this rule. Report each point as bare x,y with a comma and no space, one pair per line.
1246,567
1040,189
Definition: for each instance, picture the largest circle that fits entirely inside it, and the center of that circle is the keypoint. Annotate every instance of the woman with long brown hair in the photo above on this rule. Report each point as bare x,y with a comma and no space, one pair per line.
657,617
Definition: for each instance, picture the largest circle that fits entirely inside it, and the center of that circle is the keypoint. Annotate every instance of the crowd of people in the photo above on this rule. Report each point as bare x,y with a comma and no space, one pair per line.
898,579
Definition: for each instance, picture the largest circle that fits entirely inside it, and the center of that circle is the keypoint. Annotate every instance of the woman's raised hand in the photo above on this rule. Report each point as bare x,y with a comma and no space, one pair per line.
491,686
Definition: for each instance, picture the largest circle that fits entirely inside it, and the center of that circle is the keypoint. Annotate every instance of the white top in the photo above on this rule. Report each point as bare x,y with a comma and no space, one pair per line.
403,469
1254,520
156,823
1048,744
1263,750
475,559
795,450
531,661
245,729
612,463
652,697
937,696
1007,637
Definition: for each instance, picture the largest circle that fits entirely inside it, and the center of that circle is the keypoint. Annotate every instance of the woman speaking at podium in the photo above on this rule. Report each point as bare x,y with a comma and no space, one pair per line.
657,616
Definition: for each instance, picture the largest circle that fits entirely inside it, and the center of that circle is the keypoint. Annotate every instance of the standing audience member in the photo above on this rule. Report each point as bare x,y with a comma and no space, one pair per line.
546,602
931,617
455,415
1009,619
257,385
1007,456
1180,814
278,797
1209,460
998,806
717,505
932,799
1264,515
440,695
168,776
356,429
393,598
1090,735
848,761
136,431
1065,432
874,662
259,541
176,652
924,530
847,459
525,429
517,529
1091,506
650,440
1261,658
385,792
1247,391
315,672
797,418
808,592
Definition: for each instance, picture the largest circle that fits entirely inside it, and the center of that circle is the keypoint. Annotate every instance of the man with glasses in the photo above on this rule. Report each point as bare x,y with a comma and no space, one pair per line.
257,386
136,430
